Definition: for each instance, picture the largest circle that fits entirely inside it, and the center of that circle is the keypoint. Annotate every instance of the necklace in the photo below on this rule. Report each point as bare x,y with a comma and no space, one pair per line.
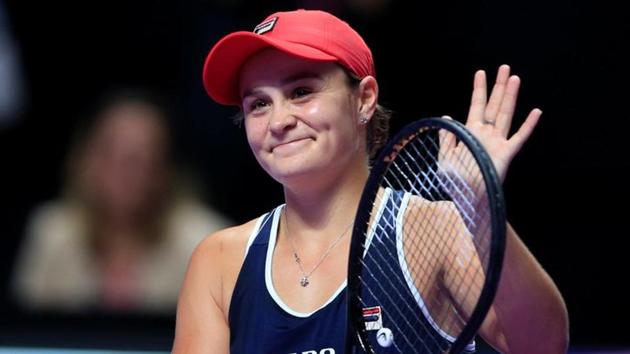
304,280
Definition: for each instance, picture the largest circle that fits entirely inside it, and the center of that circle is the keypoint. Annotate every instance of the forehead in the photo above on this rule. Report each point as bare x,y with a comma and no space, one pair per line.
129,120
273,67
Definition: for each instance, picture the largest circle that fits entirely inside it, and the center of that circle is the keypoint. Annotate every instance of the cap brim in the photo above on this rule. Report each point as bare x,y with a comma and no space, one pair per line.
223,64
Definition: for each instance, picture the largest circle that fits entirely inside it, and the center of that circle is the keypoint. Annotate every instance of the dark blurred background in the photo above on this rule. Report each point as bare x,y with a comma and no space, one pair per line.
565,190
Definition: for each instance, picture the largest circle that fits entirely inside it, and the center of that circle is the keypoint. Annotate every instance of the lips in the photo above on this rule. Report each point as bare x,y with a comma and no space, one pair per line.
290,145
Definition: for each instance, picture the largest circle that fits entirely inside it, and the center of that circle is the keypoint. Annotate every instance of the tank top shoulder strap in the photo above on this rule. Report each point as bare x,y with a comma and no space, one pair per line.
262,229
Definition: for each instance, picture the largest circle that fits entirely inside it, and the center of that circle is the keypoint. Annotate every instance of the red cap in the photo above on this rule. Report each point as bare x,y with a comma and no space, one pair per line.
308,34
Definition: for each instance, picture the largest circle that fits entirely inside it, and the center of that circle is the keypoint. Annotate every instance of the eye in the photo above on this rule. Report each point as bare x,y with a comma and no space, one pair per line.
257,105
301,92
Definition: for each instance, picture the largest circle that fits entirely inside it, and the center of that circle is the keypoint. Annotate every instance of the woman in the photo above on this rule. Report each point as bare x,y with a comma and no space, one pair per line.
120,236
306,85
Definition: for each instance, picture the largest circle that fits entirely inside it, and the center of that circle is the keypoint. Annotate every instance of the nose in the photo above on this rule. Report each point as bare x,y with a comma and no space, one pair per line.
282,119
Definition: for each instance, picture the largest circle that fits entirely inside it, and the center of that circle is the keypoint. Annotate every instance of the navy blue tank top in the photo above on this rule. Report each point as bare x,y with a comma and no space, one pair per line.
261,323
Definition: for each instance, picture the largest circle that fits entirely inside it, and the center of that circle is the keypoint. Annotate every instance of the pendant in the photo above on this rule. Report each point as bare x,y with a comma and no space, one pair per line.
304,282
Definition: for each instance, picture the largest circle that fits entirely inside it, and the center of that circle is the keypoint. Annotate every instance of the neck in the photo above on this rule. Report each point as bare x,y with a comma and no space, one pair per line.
320,214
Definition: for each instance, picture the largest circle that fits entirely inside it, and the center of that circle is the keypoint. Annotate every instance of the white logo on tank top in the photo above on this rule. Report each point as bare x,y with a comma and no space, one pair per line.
323,351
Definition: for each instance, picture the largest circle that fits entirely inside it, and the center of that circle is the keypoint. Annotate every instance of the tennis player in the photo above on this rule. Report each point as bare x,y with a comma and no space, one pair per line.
305,83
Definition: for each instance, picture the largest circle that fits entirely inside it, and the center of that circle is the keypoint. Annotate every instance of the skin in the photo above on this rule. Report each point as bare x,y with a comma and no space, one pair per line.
303,125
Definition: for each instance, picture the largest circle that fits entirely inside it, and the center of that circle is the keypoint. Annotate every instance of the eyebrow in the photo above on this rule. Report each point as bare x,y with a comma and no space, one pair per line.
301,75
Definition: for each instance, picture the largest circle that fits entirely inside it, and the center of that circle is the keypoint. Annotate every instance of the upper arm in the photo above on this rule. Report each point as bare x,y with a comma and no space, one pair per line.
201,326
526,305
462,270
203,306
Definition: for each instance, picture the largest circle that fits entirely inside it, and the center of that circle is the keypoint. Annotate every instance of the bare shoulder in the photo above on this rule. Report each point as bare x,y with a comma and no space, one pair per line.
221,255
229,241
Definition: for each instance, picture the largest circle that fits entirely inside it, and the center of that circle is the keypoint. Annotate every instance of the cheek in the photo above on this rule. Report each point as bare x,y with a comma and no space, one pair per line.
322,119
255,133
337,120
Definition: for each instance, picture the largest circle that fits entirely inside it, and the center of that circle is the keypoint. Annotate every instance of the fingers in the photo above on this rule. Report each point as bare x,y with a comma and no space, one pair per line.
494,104
525,131
499,108
447,140
479,98
503,119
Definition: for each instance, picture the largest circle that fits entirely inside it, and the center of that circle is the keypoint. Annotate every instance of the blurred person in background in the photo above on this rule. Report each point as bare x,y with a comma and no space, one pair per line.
120,237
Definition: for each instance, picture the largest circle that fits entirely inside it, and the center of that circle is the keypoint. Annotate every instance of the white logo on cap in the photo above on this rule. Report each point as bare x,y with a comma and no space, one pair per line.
266,26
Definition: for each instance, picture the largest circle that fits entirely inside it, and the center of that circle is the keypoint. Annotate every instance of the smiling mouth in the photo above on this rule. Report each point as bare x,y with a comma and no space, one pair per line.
290,145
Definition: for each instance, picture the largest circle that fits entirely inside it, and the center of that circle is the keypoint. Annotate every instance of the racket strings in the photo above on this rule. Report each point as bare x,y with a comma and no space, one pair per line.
401,308
447,181
407,281
422,263
464,204
451,186
411,308
463,192
463,180
400,316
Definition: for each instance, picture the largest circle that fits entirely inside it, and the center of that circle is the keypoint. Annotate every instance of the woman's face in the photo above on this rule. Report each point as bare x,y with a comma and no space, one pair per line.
301,117
125,159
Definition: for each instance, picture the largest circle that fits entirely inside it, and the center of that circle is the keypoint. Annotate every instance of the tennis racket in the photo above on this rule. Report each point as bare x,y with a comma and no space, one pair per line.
427,244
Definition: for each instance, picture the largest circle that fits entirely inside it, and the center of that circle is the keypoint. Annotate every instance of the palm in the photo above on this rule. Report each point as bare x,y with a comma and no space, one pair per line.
490,120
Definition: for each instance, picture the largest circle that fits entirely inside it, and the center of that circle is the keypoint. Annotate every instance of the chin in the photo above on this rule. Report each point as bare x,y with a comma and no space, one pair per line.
296,170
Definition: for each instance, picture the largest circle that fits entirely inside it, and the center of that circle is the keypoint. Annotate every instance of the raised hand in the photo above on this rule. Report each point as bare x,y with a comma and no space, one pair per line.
490,120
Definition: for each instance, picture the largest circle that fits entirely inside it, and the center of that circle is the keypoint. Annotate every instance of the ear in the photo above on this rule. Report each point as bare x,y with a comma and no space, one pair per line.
368,98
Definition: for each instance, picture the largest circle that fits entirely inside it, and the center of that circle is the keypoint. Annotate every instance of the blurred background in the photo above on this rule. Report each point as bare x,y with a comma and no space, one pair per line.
105,128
